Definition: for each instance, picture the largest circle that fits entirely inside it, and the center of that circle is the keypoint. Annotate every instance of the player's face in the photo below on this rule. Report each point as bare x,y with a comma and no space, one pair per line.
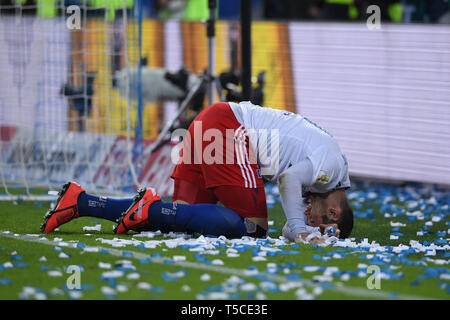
323,208
316,210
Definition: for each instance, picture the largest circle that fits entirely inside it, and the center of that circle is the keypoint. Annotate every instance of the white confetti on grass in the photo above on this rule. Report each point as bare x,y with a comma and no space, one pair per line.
185,288
248,287
397,224
55,273
259,258
112,274
63,255
108,290
133,276
97,227
144,286
179,258
104,265
205,277
217,262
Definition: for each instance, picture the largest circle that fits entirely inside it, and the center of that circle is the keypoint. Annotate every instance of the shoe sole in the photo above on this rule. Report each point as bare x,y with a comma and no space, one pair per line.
50,213
136,199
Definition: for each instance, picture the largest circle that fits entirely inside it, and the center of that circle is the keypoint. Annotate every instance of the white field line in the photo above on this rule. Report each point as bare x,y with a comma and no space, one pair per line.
354,291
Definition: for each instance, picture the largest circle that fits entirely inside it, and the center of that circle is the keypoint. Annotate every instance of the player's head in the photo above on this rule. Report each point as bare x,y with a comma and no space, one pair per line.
328,208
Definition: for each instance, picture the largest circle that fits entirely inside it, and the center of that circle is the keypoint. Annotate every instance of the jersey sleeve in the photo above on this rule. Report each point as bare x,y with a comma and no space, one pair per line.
290,184
329,171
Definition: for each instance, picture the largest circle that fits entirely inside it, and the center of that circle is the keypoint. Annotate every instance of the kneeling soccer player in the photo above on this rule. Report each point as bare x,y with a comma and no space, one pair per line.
304,159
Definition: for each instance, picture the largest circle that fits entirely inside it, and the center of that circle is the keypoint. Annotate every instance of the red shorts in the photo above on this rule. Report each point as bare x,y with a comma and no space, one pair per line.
217,163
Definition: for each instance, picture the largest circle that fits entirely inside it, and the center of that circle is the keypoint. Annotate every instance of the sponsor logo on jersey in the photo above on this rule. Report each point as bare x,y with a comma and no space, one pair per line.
323,177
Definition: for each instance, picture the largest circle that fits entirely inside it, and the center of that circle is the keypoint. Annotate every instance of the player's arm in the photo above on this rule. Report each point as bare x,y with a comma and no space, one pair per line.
290,184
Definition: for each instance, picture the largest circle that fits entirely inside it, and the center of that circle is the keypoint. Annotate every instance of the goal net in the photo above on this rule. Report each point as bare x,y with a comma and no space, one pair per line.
61,114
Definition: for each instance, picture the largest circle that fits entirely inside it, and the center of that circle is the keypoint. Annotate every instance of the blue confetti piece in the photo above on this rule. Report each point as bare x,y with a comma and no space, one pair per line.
127,254
104,251
141,246
398,234
251,296
235,296
188,246
5,281
169,278
81,245
46,268
157,289
414,283
20,265
145,261
293,277
326,286
87,287
338,273
201,259
214,288
431,272
16,258
289,252
392,295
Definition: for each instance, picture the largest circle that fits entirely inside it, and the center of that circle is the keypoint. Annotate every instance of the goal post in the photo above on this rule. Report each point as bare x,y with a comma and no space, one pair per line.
61,114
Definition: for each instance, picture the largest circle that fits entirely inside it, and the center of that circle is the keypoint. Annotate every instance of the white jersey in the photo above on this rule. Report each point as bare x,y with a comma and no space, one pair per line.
288,144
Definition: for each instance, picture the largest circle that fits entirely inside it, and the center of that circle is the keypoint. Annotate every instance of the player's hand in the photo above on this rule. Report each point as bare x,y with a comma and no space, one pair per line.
303,236
330,229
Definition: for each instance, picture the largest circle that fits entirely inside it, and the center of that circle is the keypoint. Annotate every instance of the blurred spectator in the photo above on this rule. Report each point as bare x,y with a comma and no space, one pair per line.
292,9
339,10
345,10
436,9
170,9
418,11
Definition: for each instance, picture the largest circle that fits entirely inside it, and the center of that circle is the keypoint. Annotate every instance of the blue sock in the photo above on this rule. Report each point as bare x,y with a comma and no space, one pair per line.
102,207
207,219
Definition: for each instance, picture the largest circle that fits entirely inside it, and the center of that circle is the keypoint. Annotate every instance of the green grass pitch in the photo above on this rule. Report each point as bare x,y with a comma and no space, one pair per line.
37,266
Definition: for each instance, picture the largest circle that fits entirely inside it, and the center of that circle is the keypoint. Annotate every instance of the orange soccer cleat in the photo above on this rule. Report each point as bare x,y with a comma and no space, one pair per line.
65,208
136,217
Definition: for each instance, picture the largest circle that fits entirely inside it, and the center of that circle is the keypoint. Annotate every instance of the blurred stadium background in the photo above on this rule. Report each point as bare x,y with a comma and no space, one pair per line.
383,93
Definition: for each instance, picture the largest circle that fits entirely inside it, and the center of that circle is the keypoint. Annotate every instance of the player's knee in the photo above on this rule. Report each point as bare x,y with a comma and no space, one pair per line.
233,225
256,227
